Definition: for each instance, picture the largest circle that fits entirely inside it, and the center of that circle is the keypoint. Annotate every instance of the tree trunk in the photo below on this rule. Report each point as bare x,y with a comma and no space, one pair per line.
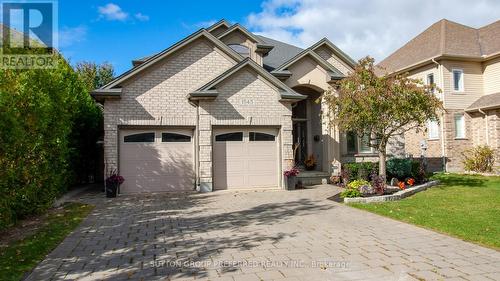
381,164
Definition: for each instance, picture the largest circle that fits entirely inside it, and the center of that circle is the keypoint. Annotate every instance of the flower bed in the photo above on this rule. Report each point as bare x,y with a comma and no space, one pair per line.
394,196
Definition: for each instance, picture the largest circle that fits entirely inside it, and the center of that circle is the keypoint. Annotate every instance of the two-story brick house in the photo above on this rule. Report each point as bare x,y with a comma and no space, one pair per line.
463,62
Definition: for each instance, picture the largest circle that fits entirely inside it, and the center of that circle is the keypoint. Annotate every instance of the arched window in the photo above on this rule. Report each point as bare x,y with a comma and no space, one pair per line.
240,49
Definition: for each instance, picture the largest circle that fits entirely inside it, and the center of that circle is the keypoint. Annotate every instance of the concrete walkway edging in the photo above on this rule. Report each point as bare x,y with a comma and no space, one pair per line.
392,197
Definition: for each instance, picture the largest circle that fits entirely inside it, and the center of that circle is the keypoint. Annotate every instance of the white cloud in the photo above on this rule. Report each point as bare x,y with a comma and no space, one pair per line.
112,12
360,27
141,17
68,36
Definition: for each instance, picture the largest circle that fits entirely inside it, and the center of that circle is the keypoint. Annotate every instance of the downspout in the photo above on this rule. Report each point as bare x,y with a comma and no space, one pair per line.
197,145
486,121
441,82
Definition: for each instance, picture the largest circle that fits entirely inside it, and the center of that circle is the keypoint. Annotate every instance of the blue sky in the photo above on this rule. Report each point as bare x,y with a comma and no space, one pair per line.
95,31
119,31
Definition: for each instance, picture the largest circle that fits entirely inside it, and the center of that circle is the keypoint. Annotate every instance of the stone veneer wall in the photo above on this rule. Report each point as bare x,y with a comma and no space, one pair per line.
158,96
245,99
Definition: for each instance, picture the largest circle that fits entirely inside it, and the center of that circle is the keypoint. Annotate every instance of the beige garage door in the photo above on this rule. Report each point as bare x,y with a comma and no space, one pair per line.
157,160
245,158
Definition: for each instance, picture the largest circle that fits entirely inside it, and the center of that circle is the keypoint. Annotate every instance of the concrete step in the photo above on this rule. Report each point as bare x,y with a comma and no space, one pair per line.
308,178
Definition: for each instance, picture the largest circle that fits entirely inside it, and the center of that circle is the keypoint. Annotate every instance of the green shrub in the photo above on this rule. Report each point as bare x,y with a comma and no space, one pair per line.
400,168
356,184
350,192
361,170
479,159
39,111
418,171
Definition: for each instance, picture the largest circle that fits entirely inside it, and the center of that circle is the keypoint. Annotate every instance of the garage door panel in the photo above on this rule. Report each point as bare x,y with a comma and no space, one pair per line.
248,163
157,166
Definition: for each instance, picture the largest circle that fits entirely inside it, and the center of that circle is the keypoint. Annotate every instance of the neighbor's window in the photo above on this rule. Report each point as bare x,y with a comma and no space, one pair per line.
458,80
237,136
142,137
240,49
433,129
352,142
255,136
364,142
430,79
459,126
173,137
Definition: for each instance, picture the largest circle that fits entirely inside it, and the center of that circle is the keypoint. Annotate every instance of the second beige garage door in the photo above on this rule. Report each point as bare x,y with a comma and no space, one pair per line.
245,158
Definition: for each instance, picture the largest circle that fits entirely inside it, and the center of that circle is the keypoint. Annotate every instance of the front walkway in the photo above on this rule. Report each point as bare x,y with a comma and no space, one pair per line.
256,235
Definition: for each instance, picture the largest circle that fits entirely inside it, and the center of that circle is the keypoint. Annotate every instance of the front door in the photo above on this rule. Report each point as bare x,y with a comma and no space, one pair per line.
300,142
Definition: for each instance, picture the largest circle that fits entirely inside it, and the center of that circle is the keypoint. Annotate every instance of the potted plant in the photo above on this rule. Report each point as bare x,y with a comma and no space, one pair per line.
113,182
291,179
310,162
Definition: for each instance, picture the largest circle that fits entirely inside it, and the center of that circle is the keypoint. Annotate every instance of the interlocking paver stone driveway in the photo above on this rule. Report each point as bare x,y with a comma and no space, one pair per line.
256,235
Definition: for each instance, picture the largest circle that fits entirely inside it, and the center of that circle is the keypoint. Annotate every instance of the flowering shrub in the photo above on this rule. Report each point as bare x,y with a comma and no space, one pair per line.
410,181
357,184
479,159
350,193
291,173
378,183
114,179
402,185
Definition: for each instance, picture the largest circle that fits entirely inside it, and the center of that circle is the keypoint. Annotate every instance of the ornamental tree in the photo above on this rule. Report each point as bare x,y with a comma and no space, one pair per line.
380,107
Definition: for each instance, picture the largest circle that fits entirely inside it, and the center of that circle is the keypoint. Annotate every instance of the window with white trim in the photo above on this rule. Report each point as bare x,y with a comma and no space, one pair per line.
459,126
430,79
458,80
433,129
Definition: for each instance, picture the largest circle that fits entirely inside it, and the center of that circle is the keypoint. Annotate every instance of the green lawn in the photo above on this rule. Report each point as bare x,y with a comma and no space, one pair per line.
21,256
464,206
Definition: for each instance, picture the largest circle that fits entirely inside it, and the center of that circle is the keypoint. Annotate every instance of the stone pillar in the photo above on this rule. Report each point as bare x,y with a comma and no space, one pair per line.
205,150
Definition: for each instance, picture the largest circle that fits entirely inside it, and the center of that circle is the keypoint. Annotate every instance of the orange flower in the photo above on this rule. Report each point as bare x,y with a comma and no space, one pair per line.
401,185
411,181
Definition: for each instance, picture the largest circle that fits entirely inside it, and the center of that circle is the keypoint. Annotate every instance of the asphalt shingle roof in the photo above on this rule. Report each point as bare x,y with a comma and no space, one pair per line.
445,38
281,53
488,101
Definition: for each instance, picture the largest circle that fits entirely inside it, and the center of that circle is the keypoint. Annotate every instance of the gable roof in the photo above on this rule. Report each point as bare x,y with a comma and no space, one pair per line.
155,58
445,38
334,72
485,102
220,23
336,50
208,91
243,30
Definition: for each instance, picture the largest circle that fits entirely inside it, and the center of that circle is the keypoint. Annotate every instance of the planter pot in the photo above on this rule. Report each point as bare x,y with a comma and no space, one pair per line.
112,190
291,182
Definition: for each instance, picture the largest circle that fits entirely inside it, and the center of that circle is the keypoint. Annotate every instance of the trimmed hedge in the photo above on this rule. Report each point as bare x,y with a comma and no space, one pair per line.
41,112
400,168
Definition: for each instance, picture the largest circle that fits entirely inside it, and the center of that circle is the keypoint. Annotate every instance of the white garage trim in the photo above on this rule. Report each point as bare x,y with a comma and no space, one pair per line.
246,157
157,160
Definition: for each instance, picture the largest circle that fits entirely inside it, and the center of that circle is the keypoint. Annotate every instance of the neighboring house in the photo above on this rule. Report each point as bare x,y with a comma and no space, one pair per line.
221,109
463,62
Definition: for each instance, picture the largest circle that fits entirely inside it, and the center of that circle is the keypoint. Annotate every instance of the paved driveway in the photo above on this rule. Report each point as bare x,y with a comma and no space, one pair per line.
256,235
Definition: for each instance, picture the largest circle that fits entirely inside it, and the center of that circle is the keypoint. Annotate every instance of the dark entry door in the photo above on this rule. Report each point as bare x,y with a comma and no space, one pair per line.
300,140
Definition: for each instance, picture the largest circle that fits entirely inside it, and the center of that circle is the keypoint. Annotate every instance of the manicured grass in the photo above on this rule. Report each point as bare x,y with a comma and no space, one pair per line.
21,256
464,206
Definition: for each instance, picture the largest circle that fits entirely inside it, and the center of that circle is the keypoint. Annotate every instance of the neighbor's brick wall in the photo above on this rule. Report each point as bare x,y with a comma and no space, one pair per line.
245,99
455,147
159,95
414,137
